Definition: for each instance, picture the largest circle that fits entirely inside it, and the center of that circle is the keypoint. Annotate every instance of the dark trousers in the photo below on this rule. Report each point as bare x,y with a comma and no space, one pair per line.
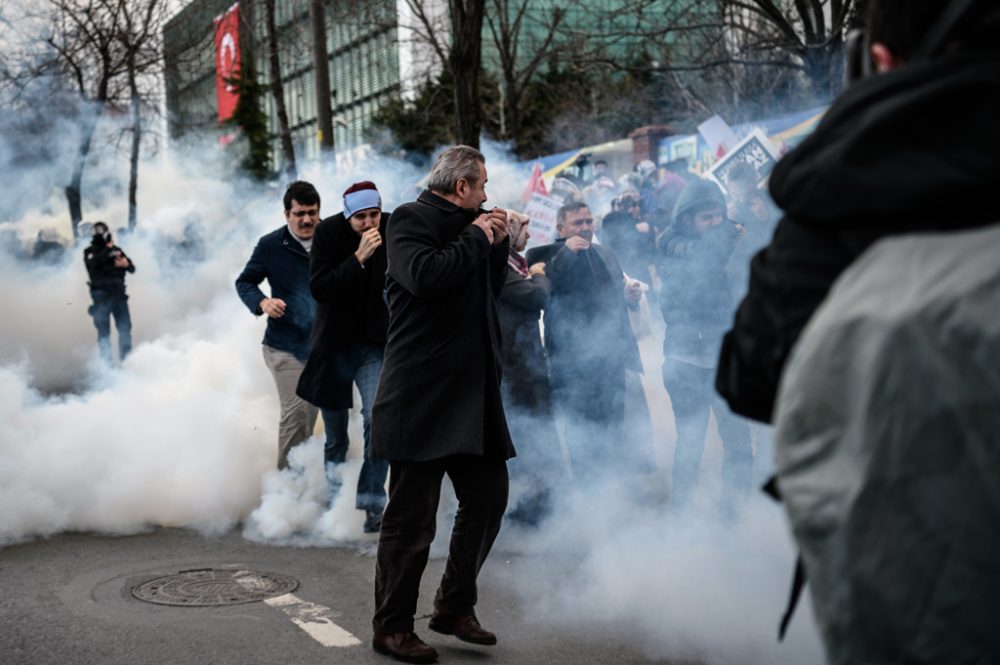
590,400
111,303
693,396
408,527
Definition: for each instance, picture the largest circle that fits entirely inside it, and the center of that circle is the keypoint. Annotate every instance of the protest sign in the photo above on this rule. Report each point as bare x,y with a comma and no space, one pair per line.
756,149
541,210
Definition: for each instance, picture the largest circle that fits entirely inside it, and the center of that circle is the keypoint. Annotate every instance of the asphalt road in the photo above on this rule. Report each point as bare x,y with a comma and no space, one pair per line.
67,600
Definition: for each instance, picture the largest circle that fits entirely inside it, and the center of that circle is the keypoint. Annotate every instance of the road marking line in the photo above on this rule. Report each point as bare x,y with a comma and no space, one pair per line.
315,620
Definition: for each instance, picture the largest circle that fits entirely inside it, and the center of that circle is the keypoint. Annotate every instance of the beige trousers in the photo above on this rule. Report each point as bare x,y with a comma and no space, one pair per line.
298,417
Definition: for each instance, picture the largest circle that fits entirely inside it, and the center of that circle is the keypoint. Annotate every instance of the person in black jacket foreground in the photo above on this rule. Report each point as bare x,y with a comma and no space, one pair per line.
438,409
696,305
913,149
106,266
347,277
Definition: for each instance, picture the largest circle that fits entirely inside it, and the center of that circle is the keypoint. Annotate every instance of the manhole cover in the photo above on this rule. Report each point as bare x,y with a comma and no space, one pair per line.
208,587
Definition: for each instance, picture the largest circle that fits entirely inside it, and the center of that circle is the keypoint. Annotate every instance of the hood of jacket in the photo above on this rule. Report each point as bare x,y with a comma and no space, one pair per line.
918,146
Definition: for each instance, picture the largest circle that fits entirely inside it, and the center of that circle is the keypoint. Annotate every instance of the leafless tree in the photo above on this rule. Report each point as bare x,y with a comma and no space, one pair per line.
101,50
457,43
520,55
139,32
83,36
812,31
278,91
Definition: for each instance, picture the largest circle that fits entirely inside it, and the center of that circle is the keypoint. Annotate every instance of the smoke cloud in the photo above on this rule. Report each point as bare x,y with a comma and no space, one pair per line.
184,434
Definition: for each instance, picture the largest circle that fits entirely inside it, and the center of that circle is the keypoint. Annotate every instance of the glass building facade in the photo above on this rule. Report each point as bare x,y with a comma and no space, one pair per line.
364,67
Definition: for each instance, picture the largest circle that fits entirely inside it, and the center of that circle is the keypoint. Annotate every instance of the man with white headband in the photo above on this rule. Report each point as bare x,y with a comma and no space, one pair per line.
346,277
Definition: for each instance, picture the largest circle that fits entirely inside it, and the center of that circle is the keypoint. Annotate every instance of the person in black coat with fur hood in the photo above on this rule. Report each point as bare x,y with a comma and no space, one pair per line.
347,277
438,409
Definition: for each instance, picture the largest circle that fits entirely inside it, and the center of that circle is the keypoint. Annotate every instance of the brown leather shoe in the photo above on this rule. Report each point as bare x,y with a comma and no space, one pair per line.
465,628
406,647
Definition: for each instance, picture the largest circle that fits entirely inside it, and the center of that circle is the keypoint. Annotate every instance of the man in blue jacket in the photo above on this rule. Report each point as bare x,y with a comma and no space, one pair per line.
282,258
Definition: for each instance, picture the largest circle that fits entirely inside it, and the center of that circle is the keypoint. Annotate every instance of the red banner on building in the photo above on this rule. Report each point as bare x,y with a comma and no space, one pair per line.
227,60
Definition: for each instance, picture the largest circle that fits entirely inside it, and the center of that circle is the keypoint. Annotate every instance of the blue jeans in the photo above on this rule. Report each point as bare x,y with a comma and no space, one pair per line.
367,364
108,303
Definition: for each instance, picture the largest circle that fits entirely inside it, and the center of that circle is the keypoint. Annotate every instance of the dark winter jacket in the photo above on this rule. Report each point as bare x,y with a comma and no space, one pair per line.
913,150
100,262
439,392
350,314
633,248
696,300
586,321
526,369
284,263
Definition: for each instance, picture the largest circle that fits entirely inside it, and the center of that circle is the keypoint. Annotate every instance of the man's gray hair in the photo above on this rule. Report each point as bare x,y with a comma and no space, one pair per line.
455,163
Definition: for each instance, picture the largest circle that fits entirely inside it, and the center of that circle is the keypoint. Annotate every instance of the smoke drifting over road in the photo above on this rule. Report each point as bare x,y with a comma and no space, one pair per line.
184,433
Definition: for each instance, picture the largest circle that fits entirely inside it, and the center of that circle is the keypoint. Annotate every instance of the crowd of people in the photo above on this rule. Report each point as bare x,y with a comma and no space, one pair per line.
464,345
508,368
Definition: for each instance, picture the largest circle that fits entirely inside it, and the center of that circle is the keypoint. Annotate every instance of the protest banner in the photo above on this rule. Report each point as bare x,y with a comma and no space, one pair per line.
756,149
541,211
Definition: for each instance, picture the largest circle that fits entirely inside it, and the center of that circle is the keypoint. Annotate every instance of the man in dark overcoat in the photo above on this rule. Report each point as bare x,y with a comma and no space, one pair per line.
347,277
589,340
438,409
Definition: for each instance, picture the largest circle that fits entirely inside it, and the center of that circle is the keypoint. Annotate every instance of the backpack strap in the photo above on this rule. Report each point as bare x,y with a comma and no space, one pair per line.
798,578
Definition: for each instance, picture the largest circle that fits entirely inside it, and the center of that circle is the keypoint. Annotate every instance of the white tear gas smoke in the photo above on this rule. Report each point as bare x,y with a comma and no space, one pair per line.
184,433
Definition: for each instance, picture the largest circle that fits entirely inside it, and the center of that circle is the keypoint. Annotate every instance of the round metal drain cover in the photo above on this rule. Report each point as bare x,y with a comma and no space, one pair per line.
208,587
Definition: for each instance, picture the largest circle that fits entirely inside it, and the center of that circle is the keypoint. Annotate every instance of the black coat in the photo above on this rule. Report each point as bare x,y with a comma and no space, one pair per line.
439,392
101,269
696,301
871,169
587,316
350,311
526,369
588,337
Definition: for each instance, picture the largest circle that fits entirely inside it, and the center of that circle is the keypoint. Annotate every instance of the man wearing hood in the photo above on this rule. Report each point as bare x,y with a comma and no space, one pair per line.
877,165
886,450
696,305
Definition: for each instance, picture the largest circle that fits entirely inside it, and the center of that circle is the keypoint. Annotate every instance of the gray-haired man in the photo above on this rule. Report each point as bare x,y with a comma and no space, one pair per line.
438,409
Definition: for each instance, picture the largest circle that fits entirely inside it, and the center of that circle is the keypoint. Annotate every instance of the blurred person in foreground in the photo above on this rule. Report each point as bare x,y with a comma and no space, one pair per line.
537,470
282,258
106,267
347,278
438,410
897,525
589,341
696,305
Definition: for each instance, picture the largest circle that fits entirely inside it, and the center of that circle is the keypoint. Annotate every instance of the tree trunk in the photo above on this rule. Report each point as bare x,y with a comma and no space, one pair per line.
133,177
74,189
321,67
278,92
464,61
